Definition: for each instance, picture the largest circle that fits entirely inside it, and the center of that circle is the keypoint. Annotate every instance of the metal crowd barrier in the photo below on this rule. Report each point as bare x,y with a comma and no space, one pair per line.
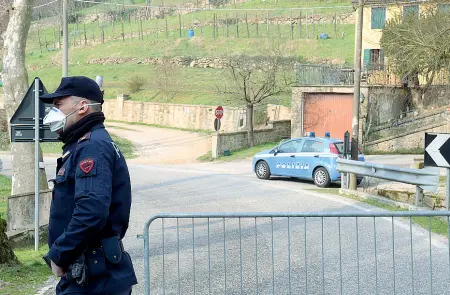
379,252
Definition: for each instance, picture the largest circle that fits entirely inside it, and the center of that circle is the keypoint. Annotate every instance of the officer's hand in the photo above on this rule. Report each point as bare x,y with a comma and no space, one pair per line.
57,271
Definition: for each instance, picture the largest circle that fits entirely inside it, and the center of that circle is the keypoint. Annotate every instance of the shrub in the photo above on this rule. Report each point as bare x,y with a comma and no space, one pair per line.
135,83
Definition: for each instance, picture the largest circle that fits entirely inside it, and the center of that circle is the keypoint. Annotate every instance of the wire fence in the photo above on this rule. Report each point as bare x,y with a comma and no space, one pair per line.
91,23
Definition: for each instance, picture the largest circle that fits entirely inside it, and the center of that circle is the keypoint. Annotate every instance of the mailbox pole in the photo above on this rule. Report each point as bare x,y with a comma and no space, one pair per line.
36,164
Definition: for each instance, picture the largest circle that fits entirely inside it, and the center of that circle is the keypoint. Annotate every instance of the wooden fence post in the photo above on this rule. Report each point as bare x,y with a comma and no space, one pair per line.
246,23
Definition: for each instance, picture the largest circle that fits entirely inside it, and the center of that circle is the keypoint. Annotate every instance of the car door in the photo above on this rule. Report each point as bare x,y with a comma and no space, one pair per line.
309,157
283,163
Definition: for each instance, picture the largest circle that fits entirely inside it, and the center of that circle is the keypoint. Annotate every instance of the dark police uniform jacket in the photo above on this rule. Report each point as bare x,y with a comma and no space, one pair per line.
91,204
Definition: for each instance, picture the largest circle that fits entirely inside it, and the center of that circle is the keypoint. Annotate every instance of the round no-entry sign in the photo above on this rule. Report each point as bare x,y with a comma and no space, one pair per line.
219,112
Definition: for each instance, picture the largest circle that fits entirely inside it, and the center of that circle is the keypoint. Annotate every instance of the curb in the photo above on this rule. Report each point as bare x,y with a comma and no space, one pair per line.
386,201
49,287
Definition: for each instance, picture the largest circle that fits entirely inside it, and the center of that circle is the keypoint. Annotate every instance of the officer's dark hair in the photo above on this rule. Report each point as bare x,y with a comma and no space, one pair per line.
94,108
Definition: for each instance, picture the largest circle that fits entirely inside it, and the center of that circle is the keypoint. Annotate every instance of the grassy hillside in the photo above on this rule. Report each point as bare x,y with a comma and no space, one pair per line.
94,40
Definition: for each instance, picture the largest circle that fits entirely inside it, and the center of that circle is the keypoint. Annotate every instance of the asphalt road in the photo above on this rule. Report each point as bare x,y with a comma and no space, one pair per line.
291,265
230,188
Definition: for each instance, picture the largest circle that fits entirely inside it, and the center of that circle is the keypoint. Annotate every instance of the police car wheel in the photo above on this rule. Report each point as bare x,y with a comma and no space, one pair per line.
262,170
321,177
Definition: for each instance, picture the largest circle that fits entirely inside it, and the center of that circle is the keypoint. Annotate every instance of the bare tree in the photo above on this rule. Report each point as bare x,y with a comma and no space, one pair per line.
251,81
15,86
419,47
166,77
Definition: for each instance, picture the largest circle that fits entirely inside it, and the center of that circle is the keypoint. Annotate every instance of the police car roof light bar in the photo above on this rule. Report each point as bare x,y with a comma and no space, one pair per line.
327,134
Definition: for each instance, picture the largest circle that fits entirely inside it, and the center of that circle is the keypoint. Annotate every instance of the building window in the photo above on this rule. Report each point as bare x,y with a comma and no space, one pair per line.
378,17
410,11
313,146
290,147
373,59
444,7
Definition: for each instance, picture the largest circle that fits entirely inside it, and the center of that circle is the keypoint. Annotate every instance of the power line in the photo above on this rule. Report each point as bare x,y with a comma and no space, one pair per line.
46,4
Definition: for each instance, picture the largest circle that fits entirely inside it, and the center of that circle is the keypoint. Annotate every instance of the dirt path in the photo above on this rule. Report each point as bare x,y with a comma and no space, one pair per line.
162,146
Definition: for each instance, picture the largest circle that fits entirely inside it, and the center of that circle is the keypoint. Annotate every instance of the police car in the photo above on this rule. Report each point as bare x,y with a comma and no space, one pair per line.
310,157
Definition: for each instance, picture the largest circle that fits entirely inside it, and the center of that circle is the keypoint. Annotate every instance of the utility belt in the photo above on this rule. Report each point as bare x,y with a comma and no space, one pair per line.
106,241
93,263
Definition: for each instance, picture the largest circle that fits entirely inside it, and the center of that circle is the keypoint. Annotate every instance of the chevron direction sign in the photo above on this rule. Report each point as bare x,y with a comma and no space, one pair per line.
437,150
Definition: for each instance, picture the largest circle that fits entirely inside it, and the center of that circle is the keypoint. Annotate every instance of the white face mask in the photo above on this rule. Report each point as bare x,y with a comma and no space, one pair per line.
57,119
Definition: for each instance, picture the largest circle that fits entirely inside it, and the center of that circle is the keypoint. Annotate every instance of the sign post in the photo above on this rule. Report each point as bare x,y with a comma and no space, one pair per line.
217,124
345,177
437,154
36,164
27,126
447,191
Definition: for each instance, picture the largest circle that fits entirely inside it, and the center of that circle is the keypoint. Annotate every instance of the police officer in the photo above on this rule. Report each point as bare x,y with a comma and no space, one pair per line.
91,201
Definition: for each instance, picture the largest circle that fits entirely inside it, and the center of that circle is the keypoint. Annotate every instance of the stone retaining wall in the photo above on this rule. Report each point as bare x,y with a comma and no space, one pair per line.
197,117
183,61
21,210
412,137
232,141
194,117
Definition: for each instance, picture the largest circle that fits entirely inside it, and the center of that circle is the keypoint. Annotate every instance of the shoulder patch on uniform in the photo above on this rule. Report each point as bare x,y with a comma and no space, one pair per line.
87,165
87,136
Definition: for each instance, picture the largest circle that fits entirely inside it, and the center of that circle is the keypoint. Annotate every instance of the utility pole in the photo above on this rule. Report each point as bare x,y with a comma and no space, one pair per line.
356,89
65,61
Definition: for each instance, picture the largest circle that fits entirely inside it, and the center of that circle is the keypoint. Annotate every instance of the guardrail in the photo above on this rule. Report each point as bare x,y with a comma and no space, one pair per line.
423,179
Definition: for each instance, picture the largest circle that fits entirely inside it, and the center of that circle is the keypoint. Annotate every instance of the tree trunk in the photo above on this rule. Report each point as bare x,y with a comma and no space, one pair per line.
417,97
7,255
250,125
15,86
416,91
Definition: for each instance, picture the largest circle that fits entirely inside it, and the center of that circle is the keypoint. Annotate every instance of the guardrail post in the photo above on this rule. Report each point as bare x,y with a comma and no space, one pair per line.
345,177
447,191
419,196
